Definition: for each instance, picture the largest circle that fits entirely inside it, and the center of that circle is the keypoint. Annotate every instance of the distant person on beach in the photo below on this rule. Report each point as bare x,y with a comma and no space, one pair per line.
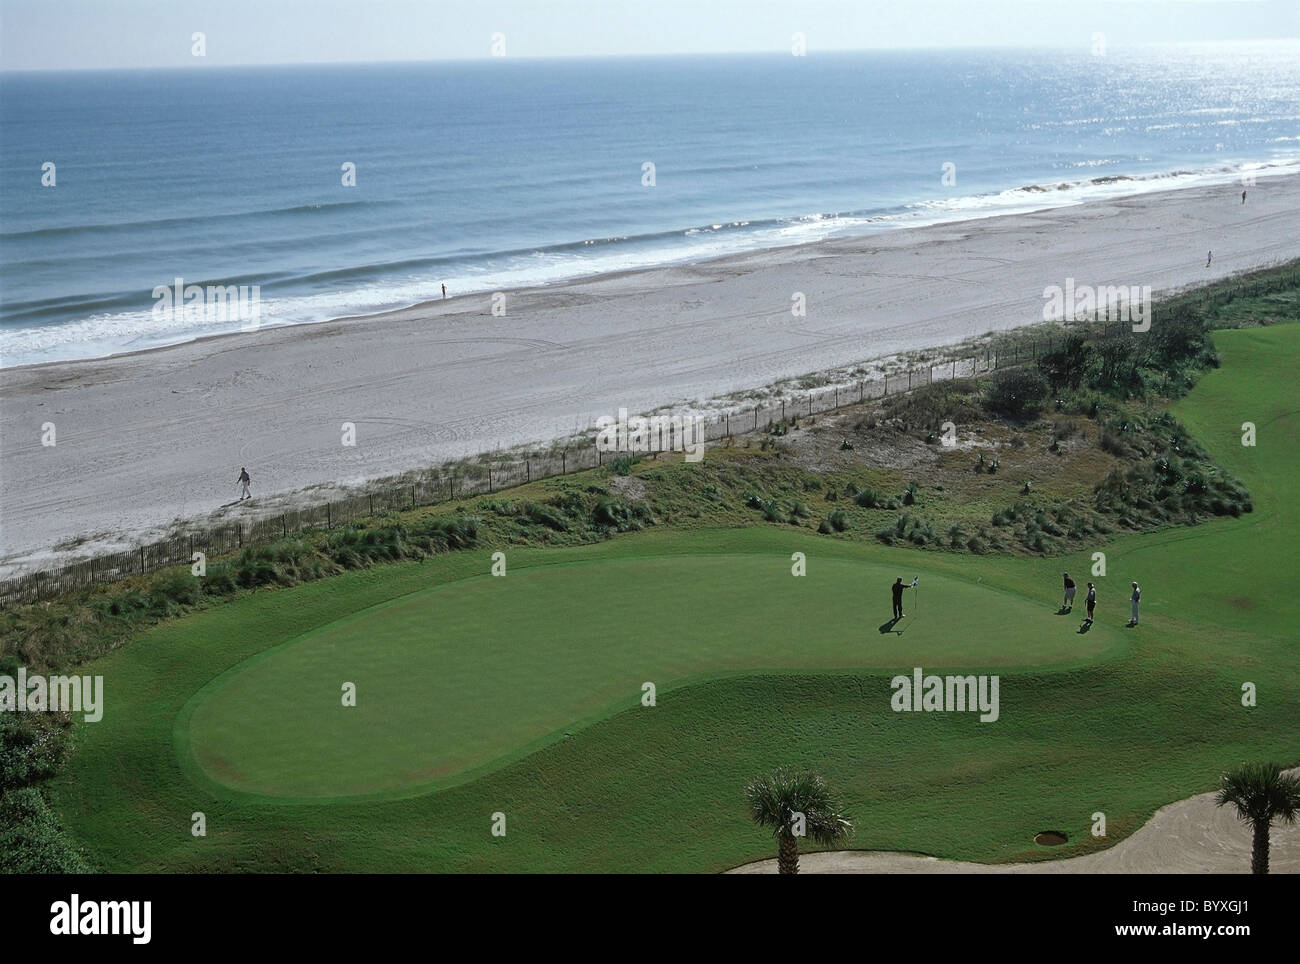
1069,593
1092,602
1135,598
1209,256
444,291
897,588
1243,197
244,482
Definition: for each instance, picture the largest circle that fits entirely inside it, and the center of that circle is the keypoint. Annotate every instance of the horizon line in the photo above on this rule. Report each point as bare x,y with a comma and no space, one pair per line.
646,56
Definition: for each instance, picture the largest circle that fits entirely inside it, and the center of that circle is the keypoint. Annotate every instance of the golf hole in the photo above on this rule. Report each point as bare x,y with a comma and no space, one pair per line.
1050,838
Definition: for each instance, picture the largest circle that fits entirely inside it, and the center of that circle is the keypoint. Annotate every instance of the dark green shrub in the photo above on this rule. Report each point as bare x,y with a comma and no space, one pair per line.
1016,392
30,837
33,747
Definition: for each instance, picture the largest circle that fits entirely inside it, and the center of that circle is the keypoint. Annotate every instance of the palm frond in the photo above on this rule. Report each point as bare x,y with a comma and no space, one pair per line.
1261,793
774,800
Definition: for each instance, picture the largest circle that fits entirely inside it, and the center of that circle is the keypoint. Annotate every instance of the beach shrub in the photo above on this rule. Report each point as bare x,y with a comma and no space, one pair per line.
572,503
1016,392
33,747
869,499
1064,367
545,516
31,839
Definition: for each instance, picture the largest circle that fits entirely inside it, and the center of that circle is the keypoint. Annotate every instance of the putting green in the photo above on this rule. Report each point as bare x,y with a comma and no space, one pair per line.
471,674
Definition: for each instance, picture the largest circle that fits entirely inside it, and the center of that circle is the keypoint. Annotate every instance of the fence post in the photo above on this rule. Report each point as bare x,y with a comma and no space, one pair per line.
783,410
328,522
564,470
528,469
810,404
489,480
412,496
909,379
238,528
755,418
861,392
142,560
728,425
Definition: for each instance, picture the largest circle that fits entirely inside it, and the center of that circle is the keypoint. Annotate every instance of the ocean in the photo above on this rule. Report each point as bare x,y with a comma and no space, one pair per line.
496,174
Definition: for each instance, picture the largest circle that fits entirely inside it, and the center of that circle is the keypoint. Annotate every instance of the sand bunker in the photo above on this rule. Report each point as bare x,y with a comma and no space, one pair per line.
1192,836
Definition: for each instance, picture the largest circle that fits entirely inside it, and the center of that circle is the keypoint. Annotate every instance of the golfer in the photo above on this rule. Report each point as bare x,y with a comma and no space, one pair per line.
1134,599
1092,602
1069,593
897,588
244,482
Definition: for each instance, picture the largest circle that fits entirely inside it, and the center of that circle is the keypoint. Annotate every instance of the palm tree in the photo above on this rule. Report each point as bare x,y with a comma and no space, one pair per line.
791,802
1261,794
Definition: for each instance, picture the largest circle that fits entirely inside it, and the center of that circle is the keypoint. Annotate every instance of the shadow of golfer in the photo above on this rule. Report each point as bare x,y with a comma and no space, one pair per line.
1085,627
229,504
889,627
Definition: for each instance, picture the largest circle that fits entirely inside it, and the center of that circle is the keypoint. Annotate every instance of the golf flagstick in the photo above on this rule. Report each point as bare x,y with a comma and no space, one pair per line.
917,594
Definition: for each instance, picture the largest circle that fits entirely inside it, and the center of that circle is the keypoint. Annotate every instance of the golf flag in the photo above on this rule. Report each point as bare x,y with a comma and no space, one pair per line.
915,580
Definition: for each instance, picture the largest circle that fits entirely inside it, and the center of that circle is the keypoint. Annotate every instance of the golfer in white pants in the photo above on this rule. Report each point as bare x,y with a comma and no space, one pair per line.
244,482
1137,595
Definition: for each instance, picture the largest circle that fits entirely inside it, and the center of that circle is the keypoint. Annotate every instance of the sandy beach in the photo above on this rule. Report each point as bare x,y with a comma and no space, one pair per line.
147,438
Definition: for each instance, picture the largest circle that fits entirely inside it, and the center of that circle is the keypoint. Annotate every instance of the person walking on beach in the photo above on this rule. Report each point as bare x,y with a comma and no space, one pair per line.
1135,598
1243,197
444,292
1209,256
1092,602
1069,594
897,588
244,482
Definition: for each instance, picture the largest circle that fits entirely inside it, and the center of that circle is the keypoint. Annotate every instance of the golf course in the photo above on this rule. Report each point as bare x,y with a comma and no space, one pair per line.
524,692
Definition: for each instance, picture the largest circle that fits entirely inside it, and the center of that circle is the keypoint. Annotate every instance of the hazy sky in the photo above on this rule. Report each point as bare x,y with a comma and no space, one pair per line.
61,34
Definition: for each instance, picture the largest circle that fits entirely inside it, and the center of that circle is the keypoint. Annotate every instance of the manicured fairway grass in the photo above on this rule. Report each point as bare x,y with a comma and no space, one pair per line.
1115,721
466,672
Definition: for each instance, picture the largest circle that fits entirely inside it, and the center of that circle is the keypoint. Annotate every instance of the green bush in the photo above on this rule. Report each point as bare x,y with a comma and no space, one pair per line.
30,837
543,515
869,499
33,747
1016,392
